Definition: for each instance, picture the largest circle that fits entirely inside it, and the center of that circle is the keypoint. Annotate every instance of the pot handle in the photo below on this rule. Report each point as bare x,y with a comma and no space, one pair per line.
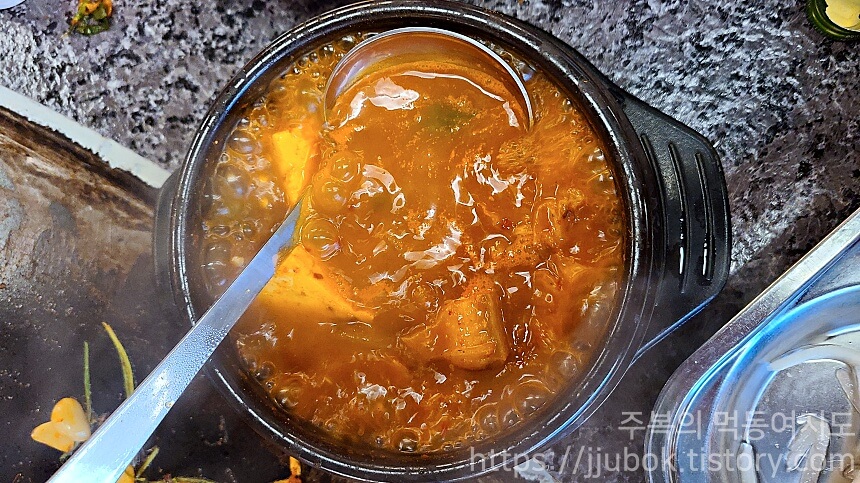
695,219
162,239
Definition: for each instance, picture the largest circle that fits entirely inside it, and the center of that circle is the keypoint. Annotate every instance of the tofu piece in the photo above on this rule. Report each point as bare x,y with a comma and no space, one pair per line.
303,291
467,332
294,152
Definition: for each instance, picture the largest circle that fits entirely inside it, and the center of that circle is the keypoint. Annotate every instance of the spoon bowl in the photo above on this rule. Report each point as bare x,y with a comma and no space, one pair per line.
416,44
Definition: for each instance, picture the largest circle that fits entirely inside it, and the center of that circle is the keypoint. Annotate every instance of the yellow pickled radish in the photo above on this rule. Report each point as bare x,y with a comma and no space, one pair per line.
69,415
51,434
844,13
127,476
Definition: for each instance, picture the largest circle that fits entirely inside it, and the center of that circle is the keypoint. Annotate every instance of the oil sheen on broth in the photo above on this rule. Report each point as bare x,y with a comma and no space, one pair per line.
455,270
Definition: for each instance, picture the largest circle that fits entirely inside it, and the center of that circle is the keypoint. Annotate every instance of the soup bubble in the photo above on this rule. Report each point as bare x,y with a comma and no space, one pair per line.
529,396
487,418
249,228
220,230
264,371
346,43
329,197
345,166
249,361
234,182
288,396
406,440
508,415
319,235
243,142
217,252
565,364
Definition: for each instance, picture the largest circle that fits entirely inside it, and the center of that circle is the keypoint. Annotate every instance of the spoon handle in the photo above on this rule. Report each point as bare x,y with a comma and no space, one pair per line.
104,457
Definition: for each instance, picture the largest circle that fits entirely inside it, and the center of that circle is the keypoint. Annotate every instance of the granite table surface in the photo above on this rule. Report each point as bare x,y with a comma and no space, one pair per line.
780,103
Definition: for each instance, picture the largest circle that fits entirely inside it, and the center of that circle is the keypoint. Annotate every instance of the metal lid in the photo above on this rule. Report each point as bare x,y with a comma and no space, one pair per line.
786,409
775,395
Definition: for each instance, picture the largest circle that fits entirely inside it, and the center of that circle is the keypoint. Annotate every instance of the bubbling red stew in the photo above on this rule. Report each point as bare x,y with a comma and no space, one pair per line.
454,270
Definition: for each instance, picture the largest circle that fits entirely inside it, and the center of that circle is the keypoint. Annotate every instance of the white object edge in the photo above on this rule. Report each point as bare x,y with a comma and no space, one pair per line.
4,4
114,154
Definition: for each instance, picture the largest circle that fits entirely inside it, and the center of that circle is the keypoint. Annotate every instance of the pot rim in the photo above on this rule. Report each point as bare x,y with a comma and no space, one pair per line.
643,246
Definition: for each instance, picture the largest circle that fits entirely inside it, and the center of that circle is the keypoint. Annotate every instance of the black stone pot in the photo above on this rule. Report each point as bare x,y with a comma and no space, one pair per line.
677,245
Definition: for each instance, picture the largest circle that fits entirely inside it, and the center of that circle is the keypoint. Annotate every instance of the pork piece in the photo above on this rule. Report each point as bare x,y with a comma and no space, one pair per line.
556,219
564,294
466,332
553,230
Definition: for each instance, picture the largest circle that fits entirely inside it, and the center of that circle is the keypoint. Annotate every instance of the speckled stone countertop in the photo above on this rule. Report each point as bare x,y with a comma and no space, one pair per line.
780,103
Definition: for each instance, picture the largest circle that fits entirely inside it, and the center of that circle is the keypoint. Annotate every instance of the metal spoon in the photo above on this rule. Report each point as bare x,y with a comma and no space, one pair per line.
422,43
104,457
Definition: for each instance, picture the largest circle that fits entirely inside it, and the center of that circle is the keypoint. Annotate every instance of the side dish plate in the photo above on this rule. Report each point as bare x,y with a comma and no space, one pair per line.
772,397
